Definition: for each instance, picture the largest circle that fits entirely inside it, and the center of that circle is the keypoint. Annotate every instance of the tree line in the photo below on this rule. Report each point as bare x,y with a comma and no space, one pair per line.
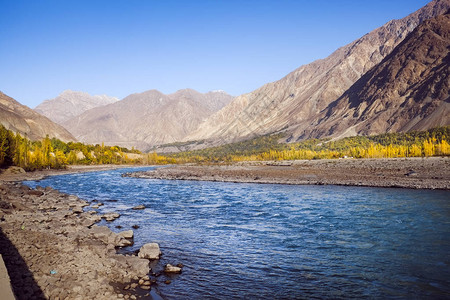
433,142
54,153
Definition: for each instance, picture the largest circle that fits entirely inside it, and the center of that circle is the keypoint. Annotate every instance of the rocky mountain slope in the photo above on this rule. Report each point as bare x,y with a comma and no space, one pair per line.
408,90
146,119
70,104
293,102
22,119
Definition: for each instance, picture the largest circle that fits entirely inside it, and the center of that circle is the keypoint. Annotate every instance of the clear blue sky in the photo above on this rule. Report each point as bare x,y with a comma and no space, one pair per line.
128,46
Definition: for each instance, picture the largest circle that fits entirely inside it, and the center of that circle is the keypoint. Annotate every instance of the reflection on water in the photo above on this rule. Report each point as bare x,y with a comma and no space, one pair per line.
251,241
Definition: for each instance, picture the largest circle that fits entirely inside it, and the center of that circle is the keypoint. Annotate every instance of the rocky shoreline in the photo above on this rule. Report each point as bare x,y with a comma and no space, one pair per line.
53,249
416,173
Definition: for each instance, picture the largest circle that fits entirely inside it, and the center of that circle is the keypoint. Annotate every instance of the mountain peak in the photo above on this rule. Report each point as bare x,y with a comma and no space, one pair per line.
146,119
71,103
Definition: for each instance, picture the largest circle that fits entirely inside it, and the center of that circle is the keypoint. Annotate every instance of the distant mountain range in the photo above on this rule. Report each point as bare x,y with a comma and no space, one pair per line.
70,104
395,78
22,119
147,119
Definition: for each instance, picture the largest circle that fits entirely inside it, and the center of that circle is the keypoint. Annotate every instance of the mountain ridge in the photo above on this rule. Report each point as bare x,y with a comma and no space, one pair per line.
70,103
25,121
408,90
142,120
290,103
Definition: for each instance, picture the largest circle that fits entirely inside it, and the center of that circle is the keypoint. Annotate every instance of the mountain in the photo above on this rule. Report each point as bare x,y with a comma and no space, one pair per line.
293,102
22,119
147,119
70,104
408,90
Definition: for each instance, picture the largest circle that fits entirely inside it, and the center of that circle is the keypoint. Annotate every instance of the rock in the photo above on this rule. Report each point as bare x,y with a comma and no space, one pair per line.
35,193
105,234
135,226
127,234
139,207
73,198
145,287
83,203
97,205
14,170
124,238
91,220
411,173
110,216
172,269
77,209
150,251
122,242
138,265
146,283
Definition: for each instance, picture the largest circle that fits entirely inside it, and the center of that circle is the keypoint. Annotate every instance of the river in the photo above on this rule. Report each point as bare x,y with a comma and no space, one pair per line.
250,241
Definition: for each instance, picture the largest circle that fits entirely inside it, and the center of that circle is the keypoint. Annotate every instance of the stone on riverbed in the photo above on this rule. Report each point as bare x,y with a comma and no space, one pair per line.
139,207
125,238
110,216
172,269
127,234
97,205
150,251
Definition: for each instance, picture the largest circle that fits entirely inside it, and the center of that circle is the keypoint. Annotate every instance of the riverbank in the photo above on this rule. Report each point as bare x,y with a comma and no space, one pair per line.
416,173
17,174
53,250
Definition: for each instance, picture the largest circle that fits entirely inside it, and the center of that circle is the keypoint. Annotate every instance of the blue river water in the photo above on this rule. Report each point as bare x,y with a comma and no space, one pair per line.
250,241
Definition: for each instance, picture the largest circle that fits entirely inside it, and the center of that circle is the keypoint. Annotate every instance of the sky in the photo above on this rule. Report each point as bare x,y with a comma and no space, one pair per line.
122,47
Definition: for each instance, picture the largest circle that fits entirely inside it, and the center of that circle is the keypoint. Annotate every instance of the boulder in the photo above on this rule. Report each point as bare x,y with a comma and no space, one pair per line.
172,269
77,209
127,234
35,193
103,233
14,170
150,251
110,216
139,207
108,237
122,242
124,238
97,205
139,266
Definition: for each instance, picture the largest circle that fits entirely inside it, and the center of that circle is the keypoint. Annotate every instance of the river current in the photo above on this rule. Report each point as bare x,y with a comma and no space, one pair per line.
250,241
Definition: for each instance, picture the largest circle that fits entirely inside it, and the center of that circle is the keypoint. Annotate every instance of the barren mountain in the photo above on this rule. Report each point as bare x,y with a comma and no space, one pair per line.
146,119
408,90
291,103
70,104
22,119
